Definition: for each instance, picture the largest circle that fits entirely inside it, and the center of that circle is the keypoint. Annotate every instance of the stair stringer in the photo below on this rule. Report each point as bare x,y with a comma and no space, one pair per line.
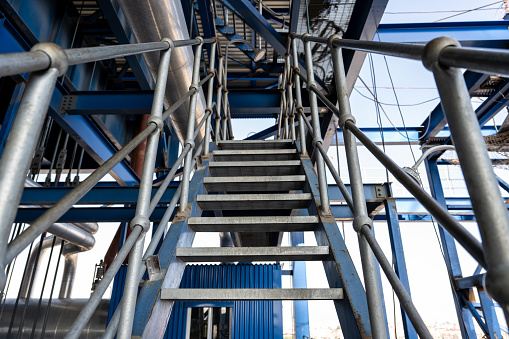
352,311
152,314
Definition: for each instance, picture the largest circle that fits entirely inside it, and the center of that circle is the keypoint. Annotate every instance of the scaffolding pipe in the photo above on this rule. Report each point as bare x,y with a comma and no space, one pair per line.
298,99
20,145
361,218
141,218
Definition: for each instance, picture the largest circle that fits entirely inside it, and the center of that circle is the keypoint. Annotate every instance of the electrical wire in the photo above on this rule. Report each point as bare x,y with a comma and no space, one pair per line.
467,11
377,108
402,105
397,102
389,119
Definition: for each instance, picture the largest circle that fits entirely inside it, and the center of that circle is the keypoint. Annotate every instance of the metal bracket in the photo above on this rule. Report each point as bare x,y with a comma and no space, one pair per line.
67,103
380,191
153,268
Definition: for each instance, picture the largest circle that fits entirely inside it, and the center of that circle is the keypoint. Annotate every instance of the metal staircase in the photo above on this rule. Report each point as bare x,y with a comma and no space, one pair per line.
254,190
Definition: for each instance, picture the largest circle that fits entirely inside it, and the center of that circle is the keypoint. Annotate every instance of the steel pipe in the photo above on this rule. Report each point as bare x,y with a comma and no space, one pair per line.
23,138
212,63
361,218
219,93
317,134
88,310
70,253
190,132
404,299
487,203
141,218
23,62
44,221
298,99
467,240
493,61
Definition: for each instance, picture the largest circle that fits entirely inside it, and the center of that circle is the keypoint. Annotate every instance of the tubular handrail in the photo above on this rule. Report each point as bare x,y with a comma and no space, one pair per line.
54,213
36,60
475,59
443,57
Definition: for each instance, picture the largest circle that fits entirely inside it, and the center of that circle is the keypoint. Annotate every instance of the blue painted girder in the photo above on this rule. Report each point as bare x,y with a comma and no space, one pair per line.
493,34
96,196
353,309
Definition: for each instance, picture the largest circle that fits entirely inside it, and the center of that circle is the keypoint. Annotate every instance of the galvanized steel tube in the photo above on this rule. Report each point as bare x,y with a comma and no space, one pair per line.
487,203
361,219
317,134
210,92
20,145
219,100
190,132
141,218
298,99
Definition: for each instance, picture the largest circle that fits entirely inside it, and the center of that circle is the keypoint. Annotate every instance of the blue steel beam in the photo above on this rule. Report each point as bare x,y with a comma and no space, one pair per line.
80,128
262,135
108,102
450,252
352,311
493,34
436,120
89,214
301,313
96,196
397,135
229,33
398,258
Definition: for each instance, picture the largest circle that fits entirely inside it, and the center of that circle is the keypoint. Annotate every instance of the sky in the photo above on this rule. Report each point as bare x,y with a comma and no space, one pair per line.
413,84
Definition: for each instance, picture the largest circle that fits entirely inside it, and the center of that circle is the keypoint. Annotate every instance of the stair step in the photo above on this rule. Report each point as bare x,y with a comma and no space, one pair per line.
255,155
254,201
243,254
255,184
254,168
220,294
255,224
255,144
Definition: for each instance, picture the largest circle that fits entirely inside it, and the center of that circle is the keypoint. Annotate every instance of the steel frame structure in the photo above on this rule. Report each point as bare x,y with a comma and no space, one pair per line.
52,78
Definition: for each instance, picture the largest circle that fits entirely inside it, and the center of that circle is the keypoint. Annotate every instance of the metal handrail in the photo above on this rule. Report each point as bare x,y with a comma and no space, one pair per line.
444,57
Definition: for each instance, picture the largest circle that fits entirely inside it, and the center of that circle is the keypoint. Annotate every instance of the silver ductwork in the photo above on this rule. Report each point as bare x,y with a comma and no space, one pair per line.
61,317
70,254
152,20
80,234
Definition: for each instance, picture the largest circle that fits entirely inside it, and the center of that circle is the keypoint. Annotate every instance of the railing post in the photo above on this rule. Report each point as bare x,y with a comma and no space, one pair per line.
487,203
361,218
317,134
212,65
298,99
141,219
184,197
23,138
219,100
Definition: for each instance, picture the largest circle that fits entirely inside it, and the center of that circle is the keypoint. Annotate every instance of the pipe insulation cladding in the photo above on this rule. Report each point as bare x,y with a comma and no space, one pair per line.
152,20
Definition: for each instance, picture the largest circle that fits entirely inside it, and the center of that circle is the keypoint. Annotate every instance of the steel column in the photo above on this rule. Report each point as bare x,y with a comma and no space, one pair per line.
476,166
361,219
317,134
141,219
190,128
23,138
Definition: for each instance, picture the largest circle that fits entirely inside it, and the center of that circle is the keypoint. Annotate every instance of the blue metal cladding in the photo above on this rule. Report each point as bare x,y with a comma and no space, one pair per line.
250,319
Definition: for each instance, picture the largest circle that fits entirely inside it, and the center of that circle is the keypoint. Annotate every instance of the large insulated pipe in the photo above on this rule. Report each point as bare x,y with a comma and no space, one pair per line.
79,234
70,254
61,316
152,20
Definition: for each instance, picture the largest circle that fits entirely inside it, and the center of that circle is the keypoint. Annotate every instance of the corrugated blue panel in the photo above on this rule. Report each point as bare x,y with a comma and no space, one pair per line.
250,319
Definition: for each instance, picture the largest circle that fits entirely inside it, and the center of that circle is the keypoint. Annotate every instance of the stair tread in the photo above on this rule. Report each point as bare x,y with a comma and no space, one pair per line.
256,154
218,294
254,201
255,163
264,183
254,224
236,254
255,144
